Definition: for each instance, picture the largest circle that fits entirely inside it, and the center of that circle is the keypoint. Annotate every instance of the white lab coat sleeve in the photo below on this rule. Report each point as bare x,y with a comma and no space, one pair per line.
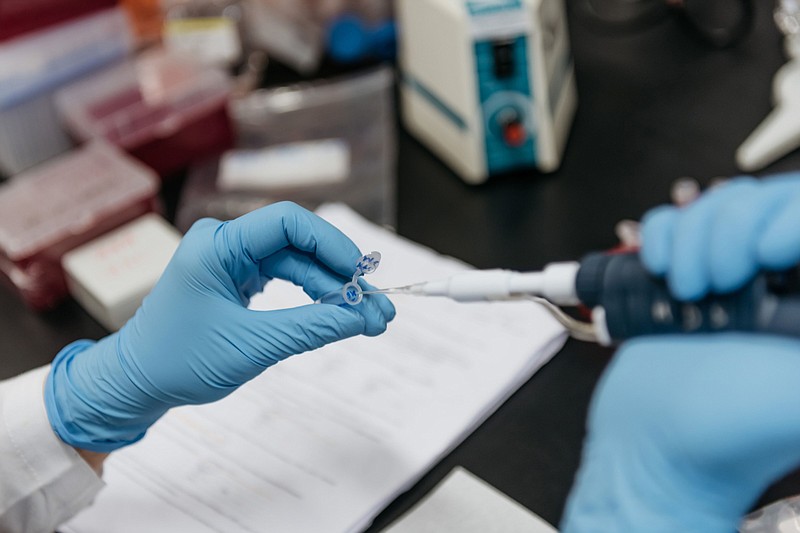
43,481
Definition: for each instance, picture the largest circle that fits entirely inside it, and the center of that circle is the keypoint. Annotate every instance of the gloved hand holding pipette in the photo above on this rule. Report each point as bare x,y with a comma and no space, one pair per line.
626,300
685,432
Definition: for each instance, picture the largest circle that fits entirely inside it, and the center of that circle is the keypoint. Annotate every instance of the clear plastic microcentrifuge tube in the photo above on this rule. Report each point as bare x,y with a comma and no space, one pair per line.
352,293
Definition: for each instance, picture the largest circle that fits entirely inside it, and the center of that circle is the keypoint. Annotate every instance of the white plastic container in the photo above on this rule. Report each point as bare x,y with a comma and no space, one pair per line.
33,66
111,275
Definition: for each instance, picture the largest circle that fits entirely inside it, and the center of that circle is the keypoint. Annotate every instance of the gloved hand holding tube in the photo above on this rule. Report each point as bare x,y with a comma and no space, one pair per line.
685,432
194,341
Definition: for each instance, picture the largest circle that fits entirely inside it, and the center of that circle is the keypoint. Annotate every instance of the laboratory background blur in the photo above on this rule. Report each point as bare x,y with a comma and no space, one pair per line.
506,133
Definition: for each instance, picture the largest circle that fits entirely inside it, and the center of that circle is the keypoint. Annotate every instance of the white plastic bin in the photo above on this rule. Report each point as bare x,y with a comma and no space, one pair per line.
111,275
33,66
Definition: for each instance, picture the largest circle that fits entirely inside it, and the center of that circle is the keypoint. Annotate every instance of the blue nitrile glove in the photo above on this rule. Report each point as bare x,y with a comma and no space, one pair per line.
686,432
194,341
722,239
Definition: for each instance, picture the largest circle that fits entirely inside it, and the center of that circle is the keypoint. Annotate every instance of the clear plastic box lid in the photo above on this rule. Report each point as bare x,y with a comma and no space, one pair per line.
68,195
40,61
148,98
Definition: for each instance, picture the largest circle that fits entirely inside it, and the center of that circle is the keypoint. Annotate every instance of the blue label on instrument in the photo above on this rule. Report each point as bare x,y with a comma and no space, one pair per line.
506,99
435,101
483,7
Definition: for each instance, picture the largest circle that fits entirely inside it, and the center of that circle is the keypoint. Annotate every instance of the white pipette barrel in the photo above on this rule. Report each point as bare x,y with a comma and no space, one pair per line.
555,283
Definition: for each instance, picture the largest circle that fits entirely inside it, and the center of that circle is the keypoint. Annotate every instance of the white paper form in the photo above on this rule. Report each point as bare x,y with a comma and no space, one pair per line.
323,441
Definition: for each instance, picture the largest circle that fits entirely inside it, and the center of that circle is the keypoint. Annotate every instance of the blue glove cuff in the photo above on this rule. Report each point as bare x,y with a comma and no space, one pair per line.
67,407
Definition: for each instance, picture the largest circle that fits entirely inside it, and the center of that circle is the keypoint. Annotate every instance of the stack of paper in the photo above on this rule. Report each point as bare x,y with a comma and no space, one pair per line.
325,440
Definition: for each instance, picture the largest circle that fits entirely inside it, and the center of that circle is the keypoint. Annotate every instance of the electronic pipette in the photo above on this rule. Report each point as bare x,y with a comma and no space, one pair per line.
625,299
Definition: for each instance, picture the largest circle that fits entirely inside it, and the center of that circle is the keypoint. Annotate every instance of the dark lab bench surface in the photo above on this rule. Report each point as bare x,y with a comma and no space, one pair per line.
654,105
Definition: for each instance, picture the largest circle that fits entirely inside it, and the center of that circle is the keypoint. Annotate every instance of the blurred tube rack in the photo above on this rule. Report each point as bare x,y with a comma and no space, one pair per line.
68,201
26,16
165,109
